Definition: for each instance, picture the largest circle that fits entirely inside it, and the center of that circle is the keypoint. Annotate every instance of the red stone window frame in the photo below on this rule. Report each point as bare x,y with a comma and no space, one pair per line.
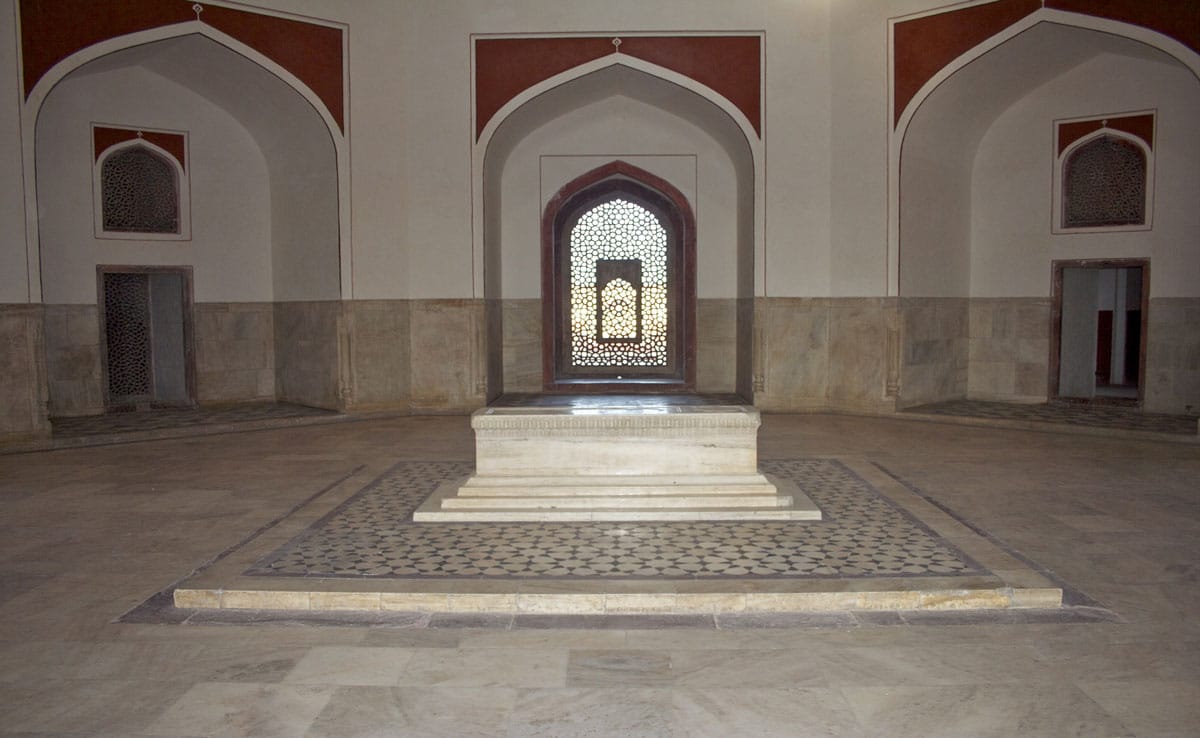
1130,130
619,179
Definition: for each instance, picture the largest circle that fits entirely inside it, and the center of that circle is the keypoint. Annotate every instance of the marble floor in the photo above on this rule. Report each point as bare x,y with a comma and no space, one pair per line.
89,534
1073,415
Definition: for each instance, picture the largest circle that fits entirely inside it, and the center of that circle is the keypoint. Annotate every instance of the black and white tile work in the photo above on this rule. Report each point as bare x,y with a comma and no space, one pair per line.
863,535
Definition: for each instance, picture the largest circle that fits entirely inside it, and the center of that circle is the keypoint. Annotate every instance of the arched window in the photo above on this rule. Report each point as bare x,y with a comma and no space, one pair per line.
1104,184
140,193
618,272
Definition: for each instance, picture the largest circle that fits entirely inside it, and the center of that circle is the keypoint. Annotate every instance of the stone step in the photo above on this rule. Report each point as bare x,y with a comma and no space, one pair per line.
610,488
615,499
614,515
629,502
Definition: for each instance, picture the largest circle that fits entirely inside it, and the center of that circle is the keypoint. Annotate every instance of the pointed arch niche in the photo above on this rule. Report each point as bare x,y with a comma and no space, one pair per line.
263,166
973,162
682,144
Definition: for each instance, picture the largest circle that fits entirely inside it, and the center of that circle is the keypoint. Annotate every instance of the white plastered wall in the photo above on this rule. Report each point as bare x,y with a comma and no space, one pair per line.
230,249
14,281
436,156
619,127
1013,168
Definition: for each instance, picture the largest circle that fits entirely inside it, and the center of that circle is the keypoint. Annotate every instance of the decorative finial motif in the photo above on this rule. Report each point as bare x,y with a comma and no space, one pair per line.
140,134
197,8
616,42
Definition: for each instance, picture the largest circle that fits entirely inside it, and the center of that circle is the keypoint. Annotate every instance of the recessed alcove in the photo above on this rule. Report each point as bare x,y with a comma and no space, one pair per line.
618,113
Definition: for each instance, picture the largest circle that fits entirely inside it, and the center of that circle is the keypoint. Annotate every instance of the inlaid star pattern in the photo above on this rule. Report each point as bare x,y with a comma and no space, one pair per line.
863,535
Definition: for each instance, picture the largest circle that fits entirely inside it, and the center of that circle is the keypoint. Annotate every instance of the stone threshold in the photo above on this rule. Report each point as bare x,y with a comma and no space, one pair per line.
594,597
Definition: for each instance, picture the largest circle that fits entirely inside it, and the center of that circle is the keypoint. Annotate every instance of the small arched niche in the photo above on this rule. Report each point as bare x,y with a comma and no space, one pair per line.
671,132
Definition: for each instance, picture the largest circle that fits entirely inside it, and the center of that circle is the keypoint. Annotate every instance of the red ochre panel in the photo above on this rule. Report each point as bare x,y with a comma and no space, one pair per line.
172,143
52,30
923,46
1179,19
311,52
1141,126
504,67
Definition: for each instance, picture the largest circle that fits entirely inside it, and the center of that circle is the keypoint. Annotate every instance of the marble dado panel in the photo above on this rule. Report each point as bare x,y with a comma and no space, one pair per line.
858,354
792,353
933,349
824,354
716,345
447,346
73,362
309,339
522,347
1009,356
380,355
23,399
1172,382
235,352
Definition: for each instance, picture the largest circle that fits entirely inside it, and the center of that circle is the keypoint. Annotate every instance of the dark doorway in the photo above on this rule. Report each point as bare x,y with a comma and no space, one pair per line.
1098,336
146,336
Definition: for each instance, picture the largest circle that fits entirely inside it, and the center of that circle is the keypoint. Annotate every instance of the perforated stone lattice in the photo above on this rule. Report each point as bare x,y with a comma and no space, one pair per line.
140,193
127,333
619,230
863,534
1105,185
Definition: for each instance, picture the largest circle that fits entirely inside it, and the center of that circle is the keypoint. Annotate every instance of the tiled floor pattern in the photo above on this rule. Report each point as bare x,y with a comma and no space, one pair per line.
862,534
1063,413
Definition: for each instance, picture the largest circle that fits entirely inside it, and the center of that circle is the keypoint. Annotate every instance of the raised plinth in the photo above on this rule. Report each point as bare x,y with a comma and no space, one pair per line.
619,463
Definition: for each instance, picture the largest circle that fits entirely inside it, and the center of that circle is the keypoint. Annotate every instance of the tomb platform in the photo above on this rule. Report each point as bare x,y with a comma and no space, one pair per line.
617,462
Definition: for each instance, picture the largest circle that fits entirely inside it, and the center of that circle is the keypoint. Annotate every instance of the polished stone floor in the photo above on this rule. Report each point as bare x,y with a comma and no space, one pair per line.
190,419
87,534
1070,414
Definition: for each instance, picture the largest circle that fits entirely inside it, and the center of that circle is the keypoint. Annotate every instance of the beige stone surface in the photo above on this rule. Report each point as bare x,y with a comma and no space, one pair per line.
309,353
793,355
73,362
934,350
1172,381
857,359
1009,349
716,345
235,352
23,399
380,358
522,360
448,372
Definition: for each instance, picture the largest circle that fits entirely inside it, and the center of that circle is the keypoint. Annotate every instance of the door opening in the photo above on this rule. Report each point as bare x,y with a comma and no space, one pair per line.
146,337
1098,343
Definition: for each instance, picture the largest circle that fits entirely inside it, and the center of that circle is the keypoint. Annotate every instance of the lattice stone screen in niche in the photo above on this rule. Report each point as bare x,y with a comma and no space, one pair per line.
127,333
140,192
618,292
1104,184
